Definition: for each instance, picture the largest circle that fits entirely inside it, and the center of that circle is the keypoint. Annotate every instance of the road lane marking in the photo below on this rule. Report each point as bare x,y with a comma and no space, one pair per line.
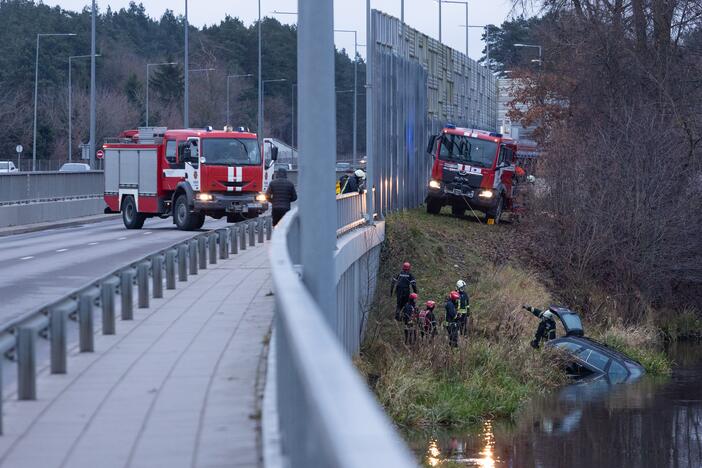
61,250
121,238
94,243
147,233
27,258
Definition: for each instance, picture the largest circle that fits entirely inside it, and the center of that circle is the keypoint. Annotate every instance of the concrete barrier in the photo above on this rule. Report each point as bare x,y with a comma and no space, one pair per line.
30,213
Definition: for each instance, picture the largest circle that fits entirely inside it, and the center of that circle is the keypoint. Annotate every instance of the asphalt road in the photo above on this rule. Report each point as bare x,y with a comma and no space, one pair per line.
40,267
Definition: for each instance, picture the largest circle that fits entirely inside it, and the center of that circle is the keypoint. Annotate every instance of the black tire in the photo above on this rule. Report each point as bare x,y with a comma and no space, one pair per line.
458,211
434,206
235,218
184,219
130,216
496,213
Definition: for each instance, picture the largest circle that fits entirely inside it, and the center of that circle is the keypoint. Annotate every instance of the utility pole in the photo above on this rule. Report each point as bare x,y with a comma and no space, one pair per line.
186,71
259,130
93,92
370,156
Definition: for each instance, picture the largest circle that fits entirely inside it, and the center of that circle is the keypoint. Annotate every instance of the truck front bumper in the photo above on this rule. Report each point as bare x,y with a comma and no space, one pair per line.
465,196
246,203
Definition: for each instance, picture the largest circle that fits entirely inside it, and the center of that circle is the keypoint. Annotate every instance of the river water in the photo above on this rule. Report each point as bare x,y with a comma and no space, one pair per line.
653,422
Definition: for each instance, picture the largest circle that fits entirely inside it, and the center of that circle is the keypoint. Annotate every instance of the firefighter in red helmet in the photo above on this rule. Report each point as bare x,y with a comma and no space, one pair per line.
452,320
409,318
403,284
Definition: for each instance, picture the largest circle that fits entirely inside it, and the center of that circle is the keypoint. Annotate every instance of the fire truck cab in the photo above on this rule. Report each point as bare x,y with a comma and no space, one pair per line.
187,174
471,169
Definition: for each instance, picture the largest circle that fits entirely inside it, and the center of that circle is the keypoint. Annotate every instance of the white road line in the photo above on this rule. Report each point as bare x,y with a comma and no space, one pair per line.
93,243
121,238
27,258
61,250
147,233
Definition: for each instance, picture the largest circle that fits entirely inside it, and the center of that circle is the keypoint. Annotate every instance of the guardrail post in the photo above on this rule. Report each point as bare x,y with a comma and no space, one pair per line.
192,261
269,228
58,316
126,290
259,225
182,262
202,247
107,301
223,247
234,240
85,324
157,275
170,269
26,364
243,227
252,234
143,285
212,244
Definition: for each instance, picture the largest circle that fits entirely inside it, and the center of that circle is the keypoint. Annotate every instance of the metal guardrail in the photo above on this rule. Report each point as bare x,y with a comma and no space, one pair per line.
327,416
167,267
350,210
50,186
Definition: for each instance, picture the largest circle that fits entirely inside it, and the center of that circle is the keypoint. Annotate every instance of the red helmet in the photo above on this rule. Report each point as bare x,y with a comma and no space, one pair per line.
454,296
413,296
406,266
430,304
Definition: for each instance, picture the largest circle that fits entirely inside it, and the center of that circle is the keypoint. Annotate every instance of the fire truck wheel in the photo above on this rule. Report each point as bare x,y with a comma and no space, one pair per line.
184,219
458,211
199,220
130,216
496,213
433,206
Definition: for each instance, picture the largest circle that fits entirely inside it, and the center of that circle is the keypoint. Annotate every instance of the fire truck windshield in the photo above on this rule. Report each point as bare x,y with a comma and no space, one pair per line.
467,150
231,151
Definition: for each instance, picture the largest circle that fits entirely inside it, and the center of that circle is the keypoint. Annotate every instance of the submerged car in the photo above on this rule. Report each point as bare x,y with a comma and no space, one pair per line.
591,357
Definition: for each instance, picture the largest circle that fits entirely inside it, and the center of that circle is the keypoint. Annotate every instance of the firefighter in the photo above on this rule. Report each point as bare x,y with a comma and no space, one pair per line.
354,182
547,325
281,192
427,321
463,307
409,317
403,284
451,321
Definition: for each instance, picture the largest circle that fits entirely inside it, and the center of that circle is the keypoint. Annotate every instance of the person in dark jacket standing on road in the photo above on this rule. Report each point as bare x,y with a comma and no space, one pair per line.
281,192
401,284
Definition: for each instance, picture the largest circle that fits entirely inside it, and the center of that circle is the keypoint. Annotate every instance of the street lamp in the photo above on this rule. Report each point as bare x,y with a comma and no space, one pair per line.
228,77
149,65
36,94
466,5
355,84
70,106
533,46
263,88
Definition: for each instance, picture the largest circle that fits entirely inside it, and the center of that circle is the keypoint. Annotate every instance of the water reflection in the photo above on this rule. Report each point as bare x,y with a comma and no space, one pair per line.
649,423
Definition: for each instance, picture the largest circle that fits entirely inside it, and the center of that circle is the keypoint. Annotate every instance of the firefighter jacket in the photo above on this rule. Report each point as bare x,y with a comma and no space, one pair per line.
463,303
451,312
402,283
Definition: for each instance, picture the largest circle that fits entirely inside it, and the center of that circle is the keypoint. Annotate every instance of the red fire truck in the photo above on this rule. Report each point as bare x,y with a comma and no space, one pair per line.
187,174
472,169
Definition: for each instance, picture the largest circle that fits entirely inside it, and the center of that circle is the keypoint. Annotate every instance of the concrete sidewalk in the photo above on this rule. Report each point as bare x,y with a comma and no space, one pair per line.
177,387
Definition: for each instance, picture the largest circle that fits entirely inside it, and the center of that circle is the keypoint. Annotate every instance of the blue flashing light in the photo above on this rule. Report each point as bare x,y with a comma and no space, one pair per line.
496,135
451,126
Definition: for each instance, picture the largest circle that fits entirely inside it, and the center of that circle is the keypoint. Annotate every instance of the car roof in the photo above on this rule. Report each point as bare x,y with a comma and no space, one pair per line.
596,345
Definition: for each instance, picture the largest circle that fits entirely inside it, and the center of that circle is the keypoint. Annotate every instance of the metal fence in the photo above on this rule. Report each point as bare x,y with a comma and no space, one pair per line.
50,186
327,416
112,295
350,210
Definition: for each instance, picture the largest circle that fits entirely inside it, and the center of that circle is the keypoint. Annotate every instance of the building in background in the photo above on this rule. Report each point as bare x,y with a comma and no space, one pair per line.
524,135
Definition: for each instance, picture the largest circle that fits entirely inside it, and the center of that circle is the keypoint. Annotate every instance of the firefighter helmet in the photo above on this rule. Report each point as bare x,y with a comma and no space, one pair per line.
454,295
460,284
413,296
406,266
360,174
430,304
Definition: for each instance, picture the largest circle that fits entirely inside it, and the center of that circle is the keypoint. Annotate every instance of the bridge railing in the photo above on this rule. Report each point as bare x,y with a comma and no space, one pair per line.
50,186
327,416
75,314
350,210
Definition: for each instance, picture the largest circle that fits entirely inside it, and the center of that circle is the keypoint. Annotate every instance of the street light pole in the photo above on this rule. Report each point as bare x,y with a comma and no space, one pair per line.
70,105
355,85
259,130
93,92
36,95
228,77
186,72
466,5
370,156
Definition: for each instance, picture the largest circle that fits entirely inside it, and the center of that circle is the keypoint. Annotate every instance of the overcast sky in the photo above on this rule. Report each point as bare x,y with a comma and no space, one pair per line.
348,14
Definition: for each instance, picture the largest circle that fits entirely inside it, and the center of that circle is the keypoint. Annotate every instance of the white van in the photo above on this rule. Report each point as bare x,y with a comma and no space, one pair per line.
7,166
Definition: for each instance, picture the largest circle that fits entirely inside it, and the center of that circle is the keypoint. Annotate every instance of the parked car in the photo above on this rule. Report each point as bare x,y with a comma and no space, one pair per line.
343,166
286,166
75,167
590,357
7,166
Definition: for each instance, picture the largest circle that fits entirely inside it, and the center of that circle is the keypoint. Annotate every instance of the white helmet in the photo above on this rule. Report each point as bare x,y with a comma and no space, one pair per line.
460,284
360,174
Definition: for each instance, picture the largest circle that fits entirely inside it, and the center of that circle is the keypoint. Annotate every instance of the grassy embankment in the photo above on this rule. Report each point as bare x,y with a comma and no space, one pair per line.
494,371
